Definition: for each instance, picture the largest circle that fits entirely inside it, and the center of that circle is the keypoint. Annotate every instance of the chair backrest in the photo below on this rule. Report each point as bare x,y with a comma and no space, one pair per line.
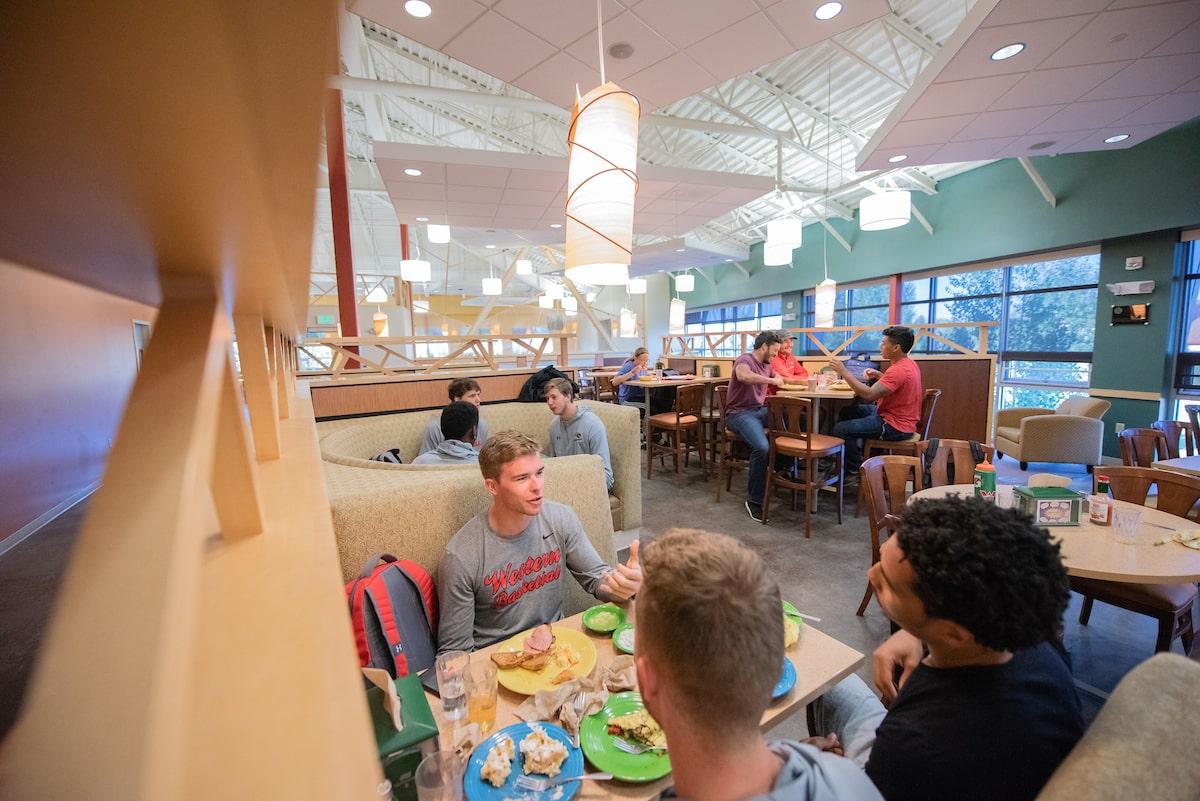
928,403
1141,446
1083,406
786,416
1193,412
953,462
689,400
603,384
1173,430
721,391
884,481
1177,493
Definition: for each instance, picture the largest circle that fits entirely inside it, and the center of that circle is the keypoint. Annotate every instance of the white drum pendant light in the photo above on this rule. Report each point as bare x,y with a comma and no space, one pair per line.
628,323
492,286
777,254
885,210
676,316
601,184
524,267
636,286
685,282
418,271
826,298
785,231
438,234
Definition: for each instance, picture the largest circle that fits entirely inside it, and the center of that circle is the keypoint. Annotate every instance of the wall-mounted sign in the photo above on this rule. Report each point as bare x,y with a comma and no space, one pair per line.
325,319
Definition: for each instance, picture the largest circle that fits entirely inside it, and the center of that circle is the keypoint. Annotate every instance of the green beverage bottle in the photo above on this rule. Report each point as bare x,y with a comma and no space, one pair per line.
985,481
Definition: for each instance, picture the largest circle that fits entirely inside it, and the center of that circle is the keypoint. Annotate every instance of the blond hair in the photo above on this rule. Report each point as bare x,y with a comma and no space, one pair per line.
562,385
502,448
709,615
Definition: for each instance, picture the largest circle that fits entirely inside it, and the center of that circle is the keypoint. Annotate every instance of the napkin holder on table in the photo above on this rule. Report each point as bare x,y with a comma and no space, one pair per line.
1050,506
405,729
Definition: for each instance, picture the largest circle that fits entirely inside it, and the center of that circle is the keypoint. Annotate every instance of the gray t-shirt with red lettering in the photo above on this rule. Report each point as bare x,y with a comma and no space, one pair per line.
492,587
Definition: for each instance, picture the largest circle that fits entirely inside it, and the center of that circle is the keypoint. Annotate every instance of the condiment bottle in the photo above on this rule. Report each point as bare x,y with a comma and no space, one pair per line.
985,481
1100,509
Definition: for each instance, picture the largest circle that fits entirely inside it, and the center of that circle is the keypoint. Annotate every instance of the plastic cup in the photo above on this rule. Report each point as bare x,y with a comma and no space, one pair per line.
1125,524
440,777
450,666
480,681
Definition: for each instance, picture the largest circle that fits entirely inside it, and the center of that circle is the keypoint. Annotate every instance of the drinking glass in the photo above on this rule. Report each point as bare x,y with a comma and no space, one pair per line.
1125,524
480,680
440,777
450,666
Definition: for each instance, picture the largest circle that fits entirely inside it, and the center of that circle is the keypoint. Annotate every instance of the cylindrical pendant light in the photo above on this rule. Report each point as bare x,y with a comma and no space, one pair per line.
416,270
554,291
777,255
675,319
379,321
785,231
492,286
524,267
685,282
636,286
885,210
826,299
601,184
628,323
438,234
545,302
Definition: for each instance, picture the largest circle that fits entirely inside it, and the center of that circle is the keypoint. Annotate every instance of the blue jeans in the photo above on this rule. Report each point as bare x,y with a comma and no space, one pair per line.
869,427
749,425
852,712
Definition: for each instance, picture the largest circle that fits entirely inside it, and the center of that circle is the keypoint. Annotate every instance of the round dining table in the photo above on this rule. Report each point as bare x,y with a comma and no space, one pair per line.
1091,551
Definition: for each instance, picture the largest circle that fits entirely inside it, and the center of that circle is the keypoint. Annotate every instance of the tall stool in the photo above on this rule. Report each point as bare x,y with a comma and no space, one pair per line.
785,437
734,451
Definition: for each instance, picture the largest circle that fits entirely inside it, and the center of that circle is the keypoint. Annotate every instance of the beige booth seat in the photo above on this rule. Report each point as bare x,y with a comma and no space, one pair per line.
1071,434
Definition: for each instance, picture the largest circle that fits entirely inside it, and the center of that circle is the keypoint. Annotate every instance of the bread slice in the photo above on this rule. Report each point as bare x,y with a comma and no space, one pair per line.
535,661
508,659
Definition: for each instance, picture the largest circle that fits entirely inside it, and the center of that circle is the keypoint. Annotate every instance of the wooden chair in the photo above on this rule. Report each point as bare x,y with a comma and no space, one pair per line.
1192,410
904,447
884,483
682,427
1141,446
1173,430
953,462
1169,604
786,438
605,391
735,453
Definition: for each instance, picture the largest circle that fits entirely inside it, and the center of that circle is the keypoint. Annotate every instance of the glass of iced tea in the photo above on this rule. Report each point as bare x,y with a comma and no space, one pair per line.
480,680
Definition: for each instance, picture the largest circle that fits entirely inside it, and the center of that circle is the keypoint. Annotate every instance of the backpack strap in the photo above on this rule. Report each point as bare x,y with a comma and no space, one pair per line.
423,583
977,452
372,561
931,450
387,624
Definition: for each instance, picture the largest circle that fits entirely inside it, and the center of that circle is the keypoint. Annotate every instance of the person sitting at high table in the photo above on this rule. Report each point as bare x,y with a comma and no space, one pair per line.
985,707
785,364
897,395
693,582
460,389
458,423
575,429
502,572
746,414
633,368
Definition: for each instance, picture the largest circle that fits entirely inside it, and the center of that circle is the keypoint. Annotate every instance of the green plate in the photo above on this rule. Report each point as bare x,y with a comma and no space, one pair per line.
618,618
793,612
598,747
617,632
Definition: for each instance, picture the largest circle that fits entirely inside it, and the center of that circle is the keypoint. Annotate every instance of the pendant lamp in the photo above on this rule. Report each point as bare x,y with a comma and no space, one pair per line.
418,271
675,319
777,254
379,322
492,286
826,298
628,323
785,231
685,282
524,267
885,210
636,286
438,234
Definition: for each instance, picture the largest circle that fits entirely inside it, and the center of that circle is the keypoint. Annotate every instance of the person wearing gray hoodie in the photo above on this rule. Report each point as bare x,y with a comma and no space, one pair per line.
575,429
697,582
459,424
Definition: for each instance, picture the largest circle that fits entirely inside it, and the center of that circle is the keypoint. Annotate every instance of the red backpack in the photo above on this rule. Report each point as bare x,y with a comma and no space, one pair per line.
393,608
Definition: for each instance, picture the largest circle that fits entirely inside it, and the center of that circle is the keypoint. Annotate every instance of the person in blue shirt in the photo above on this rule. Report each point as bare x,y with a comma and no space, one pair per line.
627,392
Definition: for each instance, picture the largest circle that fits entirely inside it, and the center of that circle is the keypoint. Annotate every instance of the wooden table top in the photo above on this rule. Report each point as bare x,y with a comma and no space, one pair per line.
655,383
820,660
1091,551
822,392
1184,464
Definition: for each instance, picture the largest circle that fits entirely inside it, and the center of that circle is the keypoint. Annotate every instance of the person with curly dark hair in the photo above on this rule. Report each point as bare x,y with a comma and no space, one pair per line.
984,707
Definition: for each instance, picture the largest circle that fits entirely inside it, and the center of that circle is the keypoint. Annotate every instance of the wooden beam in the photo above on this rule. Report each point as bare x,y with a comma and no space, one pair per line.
1038,181
260,391
234,478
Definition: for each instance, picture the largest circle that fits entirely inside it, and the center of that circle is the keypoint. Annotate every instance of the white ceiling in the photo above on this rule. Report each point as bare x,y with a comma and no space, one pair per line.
1091,69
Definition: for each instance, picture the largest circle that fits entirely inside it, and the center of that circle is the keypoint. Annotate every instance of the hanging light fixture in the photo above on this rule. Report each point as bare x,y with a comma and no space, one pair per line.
545,302
524,267
885,210
785,231
601,181
628,323
636,286
554,291
685,282
826,299
438,234
777,254
676,316
826,292
379,322
418,271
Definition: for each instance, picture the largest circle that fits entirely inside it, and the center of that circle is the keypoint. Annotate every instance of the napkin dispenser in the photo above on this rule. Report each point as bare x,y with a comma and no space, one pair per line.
1050,506
402,748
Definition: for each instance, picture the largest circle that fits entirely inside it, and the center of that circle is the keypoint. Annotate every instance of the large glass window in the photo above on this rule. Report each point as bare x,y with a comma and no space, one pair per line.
757,315
855,305
1187,364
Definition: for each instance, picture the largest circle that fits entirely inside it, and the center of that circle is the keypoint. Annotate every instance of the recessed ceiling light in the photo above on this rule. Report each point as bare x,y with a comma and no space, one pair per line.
422,219
490,247
413,171
679,250
556,225
1041,145
896,159
1112,140
828,10
621,50
418,8
1008,51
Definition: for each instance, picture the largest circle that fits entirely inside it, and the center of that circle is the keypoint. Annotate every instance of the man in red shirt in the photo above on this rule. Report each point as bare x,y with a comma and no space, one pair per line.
785,365
898,394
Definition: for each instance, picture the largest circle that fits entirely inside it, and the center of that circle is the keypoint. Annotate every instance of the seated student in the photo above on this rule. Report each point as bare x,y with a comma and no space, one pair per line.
708,617
575,429
985,707
502,573
635,367
458,424
460,389
785,364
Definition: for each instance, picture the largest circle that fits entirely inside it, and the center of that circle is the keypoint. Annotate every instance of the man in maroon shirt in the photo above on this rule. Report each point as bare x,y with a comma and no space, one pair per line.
746,414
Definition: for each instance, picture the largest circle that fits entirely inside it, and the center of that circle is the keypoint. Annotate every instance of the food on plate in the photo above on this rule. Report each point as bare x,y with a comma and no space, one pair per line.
562,677
543,754
535,661
539,640
604,620
639,727
498,764
508,659
791,631
839,385
565,655
625,640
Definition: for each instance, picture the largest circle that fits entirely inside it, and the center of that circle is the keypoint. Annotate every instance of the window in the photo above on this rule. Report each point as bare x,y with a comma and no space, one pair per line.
1187,364
855,305
757,315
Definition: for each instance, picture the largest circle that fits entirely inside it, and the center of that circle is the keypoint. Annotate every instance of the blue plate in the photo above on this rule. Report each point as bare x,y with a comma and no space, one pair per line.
480,790
786,682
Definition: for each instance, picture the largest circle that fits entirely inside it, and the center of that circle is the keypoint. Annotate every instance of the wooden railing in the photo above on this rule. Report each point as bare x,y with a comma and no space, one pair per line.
463,353
681,344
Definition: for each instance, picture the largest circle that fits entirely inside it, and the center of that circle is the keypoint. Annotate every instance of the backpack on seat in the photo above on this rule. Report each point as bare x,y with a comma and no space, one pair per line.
393,609
534,388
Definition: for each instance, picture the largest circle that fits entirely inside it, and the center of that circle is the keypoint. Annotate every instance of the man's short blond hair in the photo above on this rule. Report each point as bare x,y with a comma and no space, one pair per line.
710,621
502,448
562,386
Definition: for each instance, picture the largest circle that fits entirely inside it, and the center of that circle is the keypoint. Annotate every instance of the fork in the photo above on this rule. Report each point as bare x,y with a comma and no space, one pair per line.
635,748
578,704
536,785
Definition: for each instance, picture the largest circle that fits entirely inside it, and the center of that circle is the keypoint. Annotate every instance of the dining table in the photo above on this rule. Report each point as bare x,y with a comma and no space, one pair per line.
1091,551
820,395
671,384
820,662
1189,465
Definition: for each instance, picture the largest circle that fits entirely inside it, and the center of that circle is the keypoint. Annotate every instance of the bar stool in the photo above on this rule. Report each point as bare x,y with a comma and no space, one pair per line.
683,427
734,452
785,416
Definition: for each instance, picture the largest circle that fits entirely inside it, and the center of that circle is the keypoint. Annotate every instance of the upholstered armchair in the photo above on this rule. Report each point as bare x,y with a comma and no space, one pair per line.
1071,434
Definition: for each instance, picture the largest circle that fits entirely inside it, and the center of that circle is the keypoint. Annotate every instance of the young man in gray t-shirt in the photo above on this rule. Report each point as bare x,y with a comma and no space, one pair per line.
502,573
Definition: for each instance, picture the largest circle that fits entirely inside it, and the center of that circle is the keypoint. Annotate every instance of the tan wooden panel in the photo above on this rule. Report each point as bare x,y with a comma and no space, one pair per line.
260,388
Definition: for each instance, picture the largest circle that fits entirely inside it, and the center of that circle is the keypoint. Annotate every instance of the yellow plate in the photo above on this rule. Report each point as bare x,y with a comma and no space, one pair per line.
528,682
